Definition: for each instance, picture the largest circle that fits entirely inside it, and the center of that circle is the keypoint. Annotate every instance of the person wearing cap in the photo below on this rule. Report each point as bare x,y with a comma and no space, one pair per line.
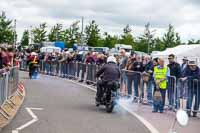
161,72
192,75
185,63
148,71
175,71
110,72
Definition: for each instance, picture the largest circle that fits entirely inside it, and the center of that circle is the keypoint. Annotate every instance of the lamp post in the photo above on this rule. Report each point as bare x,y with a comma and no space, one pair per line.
30,35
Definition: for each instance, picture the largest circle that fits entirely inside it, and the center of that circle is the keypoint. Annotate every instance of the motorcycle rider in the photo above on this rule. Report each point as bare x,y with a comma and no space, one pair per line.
33,61
109,72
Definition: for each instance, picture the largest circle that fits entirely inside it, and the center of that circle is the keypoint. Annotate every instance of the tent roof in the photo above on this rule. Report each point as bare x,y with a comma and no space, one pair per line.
181,50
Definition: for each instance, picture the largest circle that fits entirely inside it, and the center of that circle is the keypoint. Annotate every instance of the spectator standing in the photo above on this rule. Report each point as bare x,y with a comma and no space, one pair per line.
161,72
184,64
130,75
192,75
89,58
175,71
122,64
138,69
148,71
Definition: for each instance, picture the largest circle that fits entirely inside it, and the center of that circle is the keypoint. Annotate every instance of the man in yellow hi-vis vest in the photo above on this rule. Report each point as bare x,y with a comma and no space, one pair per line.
161,72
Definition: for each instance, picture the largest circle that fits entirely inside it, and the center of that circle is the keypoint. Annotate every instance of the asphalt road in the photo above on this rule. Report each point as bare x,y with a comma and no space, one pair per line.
69,108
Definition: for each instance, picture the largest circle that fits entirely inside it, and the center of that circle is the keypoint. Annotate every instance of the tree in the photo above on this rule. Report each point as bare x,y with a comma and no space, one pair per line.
158,45
193,41
146,41
55,33
25,38
110,41
92,32
127,37
74,35
171,38
6,30
39,33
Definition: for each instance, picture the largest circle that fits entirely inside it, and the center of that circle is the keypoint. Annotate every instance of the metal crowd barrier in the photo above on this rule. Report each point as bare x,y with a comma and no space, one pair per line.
72,70
138,85
189,93
128,80
8,83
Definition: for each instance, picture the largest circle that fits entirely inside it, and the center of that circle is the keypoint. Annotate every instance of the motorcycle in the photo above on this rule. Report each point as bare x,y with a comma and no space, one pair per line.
109,96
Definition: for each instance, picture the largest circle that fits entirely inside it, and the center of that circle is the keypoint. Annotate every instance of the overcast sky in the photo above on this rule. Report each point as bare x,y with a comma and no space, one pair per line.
110,15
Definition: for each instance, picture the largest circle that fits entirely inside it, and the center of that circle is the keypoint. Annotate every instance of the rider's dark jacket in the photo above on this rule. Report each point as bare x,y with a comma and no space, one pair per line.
110,71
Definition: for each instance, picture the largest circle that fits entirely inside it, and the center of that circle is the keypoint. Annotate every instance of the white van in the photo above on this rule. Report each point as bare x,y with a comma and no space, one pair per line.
100,49
127,48
50,49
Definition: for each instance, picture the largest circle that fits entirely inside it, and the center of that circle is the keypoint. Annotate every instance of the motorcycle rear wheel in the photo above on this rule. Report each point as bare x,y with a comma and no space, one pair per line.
109,108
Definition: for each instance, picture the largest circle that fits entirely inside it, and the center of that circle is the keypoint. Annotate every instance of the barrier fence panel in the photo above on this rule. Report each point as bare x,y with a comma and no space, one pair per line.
147,88
13,80
3,87
173,96
8,83
131,84
189,92
89,73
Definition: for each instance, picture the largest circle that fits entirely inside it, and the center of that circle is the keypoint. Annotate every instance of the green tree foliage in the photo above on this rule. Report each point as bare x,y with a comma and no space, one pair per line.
73,34
109,40
145,42
39,33
55,33
92,32
171,38
6,30
193,41
127,37
25,38
158,45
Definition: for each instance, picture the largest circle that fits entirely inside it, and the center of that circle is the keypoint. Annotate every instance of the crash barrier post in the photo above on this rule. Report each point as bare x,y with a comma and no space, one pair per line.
190,94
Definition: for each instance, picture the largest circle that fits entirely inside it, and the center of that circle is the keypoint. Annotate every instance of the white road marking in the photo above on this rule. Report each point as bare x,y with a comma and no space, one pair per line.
145,122
35,119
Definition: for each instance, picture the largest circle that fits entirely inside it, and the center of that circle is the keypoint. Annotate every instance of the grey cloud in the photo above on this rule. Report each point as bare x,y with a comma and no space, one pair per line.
110,14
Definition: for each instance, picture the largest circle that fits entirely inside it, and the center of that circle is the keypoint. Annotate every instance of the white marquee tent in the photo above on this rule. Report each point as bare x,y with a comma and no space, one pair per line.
192,52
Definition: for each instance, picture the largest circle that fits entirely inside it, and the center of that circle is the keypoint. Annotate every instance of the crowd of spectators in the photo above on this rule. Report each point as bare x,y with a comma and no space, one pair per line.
133,69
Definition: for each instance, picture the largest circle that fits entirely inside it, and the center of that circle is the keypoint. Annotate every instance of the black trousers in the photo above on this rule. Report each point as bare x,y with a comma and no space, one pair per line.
32,68
100,86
